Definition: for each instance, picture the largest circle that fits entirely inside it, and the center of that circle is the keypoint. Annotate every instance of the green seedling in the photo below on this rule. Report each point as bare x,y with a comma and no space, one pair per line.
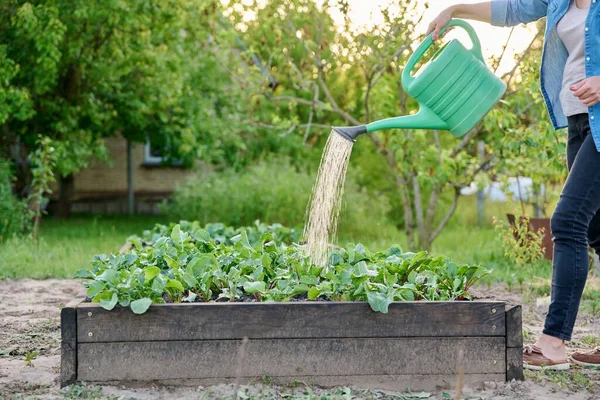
188,262
29,357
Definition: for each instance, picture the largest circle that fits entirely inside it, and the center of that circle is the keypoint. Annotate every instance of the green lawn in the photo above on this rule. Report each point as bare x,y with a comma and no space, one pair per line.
65,246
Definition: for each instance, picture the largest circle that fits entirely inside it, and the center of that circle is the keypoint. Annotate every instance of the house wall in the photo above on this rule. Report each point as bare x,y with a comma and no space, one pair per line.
102,187
111,179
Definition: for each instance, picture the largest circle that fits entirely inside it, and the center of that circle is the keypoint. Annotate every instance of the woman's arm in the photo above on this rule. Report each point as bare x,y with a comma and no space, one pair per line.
496,12
478,11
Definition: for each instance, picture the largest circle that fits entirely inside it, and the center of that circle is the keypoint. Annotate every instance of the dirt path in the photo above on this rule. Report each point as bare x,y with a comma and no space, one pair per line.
29,324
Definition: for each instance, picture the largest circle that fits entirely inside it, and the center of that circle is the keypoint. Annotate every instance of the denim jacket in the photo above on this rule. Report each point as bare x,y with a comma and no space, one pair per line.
554,56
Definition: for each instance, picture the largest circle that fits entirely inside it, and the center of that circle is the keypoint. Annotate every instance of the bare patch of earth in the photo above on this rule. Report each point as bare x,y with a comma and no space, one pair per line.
30,329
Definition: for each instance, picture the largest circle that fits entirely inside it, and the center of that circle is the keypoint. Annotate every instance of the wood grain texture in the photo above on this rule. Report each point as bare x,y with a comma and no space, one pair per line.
514,326
514,343
136,361
514,364
218,321
68,343
397,383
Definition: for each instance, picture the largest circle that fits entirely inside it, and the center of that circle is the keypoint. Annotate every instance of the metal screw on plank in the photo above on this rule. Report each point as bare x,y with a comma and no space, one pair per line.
90,368
495,362
493,311
92,351
91,334
90,314
493,327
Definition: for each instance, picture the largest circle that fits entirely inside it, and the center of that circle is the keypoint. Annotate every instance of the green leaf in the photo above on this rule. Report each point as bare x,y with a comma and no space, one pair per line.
140,306
109,304
202,236
266,260
190,280
95,288
175,284
136,242
254,287
83,274
170,262
177,235
313,293
109,276
379,302
159,283
151,273
301,288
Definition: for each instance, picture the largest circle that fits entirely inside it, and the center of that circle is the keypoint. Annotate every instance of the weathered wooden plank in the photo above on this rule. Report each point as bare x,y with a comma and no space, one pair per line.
132,361
204,321
514,364
397,383
514,343
514,326
68,343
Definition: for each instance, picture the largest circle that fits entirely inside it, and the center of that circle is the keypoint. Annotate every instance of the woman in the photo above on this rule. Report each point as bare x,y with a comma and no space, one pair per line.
570,80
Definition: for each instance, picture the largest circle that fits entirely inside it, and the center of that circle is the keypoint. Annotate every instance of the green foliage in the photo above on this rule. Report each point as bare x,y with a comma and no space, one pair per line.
191,265
43,160
271,191
15,217
77,71
522,246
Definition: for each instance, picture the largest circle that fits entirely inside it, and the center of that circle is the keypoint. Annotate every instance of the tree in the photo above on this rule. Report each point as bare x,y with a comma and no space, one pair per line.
78,71
332,75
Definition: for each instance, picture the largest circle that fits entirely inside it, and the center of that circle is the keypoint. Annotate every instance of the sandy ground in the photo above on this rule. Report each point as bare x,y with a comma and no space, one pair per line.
29,323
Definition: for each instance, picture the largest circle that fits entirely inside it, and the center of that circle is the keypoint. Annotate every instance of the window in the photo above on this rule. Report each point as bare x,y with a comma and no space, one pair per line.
154,155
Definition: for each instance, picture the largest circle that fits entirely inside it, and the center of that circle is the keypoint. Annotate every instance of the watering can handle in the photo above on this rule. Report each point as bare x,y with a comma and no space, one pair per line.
407,78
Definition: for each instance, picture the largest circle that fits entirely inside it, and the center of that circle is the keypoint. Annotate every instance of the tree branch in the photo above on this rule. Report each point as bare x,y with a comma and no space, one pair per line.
447,217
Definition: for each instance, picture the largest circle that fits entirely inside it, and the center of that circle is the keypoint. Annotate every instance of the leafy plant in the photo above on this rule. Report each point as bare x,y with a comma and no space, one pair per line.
44,161
30,356
15,217
522,246
193,264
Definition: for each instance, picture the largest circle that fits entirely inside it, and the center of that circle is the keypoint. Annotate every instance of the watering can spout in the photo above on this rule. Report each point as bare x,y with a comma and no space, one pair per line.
424,119
350,132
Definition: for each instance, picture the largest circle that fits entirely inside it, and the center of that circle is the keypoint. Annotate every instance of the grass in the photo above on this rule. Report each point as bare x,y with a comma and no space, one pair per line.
65,246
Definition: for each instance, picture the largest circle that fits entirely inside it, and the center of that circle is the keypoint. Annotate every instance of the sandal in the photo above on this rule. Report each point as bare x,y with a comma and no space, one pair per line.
534,359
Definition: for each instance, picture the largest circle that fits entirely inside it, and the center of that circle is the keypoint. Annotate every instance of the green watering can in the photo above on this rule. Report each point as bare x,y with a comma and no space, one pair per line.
455,89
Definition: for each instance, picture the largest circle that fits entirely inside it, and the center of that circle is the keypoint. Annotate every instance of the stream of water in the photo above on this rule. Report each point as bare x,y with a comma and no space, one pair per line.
324,206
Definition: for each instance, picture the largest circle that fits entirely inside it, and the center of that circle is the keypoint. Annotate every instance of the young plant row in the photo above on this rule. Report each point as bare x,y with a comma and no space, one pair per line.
261,263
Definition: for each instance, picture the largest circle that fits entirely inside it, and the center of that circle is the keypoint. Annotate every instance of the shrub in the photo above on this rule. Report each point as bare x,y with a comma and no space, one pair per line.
15,216
272,191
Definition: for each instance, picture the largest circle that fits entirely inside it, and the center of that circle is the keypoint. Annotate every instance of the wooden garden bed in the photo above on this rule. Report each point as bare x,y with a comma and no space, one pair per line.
325,343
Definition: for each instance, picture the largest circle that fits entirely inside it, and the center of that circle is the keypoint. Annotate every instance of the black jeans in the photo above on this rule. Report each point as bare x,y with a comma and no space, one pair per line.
575,224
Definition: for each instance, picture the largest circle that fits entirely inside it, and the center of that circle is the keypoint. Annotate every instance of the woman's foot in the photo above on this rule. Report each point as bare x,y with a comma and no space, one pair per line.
547,353
587,359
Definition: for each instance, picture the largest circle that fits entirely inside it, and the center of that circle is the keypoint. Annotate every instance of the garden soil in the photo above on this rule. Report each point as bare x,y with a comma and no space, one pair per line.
30,322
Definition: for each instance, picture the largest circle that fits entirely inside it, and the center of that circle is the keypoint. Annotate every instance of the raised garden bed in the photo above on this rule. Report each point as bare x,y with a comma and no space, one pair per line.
176,307
416,344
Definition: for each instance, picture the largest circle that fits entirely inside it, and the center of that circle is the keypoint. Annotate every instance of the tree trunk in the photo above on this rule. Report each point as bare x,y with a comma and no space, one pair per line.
66,188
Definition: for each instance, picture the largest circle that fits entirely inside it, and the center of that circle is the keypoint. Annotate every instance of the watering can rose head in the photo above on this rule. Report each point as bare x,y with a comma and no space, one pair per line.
455,89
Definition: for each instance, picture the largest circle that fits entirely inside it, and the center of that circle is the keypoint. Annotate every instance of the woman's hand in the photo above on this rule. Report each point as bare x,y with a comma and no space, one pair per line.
440,22
588,91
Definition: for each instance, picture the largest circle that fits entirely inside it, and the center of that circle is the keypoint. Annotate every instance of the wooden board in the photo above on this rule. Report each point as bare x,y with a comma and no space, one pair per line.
208,321
514,343
133,361
68,343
